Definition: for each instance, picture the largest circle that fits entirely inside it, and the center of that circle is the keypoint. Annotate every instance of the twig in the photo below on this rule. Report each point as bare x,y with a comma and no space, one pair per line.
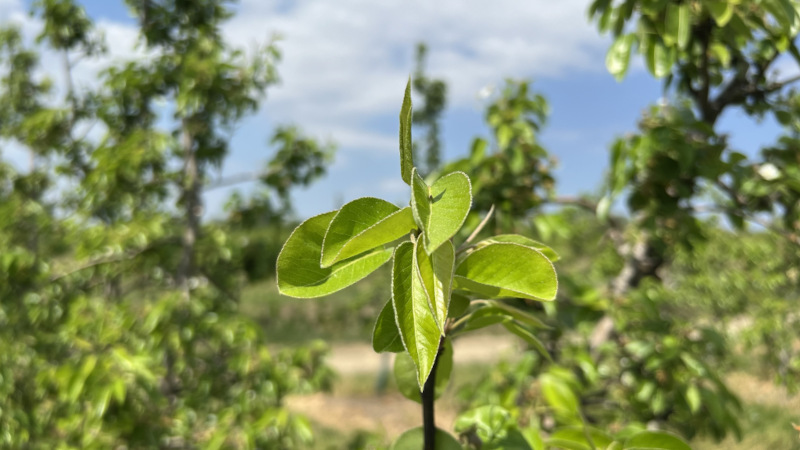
480,226
120,258
231,180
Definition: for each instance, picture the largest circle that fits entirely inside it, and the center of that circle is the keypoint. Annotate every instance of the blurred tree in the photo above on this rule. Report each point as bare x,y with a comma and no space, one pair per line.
714,57
513,174
118,306
429,115
641,356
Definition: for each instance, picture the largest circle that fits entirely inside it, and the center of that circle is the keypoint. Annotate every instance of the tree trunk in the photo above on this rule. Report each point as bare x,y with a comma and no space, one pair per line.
192,206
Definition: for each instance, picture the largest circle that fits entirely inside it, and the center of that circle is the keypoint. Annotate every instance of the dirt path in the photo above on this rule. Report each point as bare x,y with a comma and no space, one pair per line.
352,359
353,405
389,414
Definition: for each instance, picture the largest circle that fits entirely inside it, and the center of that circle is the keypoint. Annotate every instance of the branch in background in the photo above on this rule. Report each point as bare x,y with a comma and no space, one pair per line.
703,96
712,209
116,259
479,227
615,225
232,180
582,202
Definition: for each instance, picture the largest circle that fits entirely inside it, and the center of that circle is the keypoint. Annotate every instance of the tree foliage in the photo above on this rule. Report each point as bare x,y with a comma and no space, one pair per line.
119,307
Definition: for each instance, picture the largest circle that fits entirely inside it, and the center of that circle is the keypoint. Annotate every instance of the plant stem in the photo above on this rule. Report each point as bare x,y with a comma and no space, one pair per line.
428,399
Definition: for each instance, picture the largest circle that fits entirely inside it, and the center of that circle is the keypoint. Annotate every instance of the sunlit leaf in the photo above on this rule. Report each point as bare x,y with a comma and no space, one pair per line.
385,335
298,269
619,55
406,154
655,440
436,273
522,240
507,270
440,209
415,319
362,225
721,11
559,395
678,25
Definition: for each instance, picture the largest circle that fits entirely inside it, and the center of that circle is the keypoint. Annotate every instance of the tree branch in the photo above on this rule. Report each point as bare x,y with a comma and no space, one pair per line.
232,180
116,259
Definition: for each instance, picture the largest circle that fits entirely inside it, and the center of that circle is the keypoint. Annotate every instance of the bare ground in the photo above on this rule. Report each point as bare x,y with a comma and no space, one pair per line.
389,414
354,405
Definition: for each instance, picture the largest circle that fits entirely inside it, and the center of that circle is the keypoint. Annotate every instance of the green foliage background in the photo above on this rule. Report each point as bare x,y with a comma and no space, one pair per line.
126,320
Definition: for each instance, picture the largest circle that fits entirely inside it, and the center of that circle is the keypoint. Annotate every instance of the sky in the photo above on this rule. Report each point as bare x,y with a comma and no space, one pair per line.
345,65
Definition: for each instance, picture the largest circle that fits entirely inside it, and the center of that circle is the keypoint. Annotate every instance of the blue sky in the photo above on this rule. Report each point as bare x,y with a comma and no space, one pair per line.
345,65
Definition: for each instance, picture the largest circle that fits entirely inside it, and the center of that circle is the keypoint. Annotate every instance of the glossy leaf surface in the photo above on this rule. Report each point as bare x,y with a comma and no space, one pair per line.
406,155
362,225
415,320
385,335
507,270
440,209
298,270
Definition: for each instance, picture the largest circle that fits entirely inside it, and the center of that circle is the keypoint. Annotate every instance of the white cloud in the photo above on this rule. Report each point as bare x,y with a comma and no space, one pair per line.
345,63
353,54
348,60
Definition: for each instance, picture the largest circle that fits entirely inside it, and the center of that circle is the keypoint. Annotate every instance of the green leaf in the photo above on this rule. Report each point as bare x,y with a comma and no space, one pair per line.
575,438
534,438
659,60
440,209
603,208
414,439
522,240
619,55
559,396
420,196
299,273
528,337
478,151
655,440
385,335
678,26
494,308
508,270
458,305
362,225
693,398
436,273
488,422
722,54
476,321
782,11
405,375
414,317
721,11
406,154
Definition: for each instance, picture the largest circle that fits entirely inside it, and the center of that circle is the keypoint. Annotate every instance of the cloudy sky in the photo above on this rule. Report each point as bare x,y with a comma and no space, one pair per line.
345,65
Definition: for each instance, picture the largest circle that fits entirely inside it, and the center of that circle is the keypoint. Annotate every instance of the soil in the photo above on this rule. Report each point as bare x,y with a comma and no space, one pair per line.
359,407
